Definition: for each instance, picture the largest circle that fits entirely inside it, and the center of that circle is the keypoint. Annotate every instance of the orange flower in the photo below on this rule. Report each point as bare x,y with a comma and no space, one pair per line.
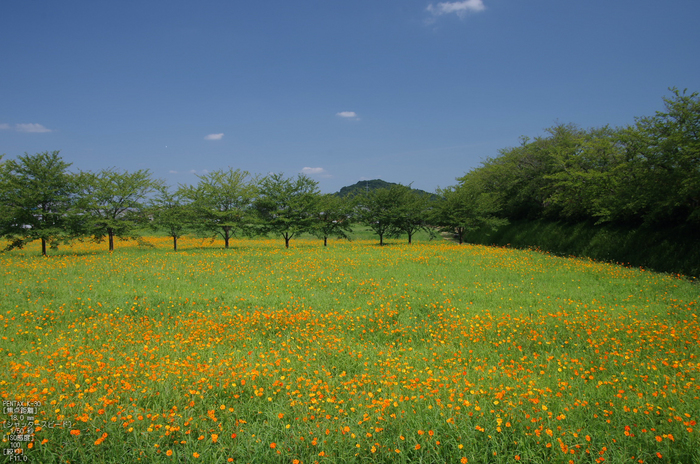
75,433
169,453
273,445
195,454
417,446
464,460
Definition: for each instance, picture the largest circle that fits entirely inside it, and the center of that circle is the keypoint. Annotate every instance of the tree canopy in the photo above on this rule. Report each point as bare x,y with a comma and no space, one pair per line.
37,195
287,206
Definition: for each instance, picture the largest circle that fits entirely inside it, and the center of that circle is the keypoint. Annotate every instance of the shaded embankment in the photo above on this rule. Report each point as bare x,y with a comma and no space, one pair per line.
672,249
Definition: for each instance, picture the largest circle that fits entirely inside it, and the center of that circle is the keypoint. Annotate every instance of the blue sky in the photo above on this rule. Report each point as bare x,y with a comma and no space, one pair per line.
407,91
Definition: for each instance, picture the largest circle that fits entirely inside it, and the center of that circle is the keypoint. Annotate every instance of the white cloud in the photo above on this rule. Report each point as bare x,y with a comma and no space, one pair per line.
313,171
26,127
347,115
172,171
458,8
214,137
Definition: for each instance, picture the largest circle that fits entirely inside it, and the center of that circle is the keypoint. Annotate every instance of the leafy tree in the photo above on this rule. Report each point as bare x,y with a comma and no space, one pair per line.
36,200
169,211
286,206
221,202
467,207
582,184
114,202
412,211
663,152
521,173
333,218
379,209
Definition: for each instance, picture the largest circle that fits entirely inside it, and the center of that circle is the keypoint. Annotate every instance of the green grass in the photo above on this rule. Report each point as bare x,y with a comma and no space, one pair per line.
432,352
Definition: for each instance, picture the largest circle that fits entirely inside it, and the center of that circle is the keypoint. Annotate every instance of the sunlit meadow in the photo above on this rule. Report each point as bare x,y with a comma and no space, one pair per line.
431,352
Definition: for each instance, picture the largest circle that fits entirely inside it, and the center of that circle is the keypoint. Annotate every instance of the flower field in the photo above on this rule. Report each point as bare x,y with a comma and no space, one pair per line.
428,353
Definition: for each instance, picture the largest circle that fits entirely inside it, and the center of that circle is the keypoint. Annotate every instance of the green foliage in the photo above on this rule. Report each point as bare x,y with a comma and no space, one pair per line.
467,207
664,158
332,218
286,206
221,202
412,214
36,200
381,210
114,202
169,211
647,173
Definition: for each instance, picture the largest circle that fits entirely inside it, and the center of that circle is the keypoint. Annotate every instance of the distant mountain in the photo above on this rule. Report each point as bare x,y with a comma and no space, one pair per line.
367,185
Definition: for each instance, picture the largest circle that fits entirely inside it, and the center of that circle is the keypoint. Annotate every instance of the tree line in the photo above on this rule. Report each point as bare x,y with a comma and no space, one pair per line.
40,199
645,174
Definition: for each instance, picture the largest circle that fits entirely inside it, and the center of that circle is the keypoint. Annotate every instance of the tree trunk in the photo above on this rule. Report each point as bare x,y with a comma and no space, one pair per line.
286,241
226,237
43,246
174,242
460,232
110,233
381,239
325,241
409,237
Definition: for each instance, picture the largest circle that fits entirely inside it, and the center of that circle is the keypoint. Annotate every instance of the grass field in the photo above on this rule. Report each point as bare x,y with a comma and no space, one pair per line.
353,353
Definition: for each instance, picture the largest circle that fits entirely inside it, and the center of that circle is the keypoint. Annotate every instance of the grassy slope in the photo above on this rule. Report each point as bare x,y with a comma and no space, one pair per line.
673,250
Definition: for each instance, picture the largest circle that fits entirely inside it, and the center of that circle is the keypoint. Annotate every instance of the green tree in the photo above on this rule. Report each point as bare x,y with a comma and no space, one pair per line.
333,218
170,211
286,206
412,211
380,210
36,200
582,183
467,207
221,202
663,152
114,202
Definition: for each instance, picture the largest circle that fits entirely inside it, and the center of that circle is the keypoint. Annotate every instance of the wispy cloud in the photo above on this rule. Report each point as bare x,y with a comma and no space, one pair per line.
313,171
214,137
25,127
459,8
348,115
172,171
